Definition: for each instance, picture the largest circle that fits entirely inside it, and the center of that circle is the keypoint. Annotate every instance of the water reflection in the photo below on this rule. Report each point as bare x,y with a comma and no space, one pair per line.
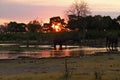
70,51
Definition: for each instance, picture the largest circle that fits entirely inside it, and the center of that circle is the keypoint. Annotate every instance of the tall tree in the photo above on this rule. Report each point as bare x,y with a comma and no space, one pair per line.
79,8
12,27
15,27
76,14
118,19
106,22
34,26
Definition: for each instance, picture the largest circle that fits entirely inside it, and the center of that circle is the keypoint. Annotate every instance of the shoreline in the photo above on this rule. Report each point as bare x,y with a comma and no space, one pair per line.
63,57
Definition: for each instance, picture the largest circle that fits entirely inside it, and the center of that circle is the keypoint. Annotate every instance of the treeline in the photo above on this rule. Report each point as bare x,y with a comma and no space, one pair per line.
89,27
14,27
96,22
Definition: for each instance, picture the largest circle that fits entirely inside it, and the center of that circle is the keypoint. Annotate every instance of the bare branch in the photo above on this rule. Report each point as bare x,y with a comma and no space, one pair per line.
79,8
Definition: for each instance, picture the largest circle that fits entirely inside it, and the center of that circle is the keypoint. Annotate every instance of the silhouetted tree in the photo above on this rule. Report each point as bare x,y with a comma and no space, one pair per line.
57,21
77,13
46,28
72,24
34,26
14,27
3,29
97,22
21,27
79,8
106,22
75,23
118,18
115,25
89,23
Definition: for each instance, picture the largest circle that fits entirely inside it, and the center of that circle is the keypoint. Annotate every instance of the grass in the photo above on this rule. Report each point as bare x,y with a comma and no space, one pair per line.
59,76
33,76
105,67
17,48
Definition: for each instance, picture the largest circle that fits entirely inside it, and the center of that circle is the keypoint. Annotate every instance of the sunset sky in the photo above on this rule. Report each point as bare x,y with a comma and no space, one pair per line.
27,10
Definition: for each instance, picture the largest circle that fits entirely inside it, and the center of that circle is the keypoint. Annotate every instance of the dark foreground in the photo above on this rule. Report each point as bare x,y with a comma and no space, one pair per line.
95,67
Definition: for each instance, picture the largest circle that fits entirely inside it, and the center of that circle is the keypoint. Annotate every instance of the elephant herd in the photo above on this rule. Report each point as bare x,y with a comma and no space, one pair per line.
111,42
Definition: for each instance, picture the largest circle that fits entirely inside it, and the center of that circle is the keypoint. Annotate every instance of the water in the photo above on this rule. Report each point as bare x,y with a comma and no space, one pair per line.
50,52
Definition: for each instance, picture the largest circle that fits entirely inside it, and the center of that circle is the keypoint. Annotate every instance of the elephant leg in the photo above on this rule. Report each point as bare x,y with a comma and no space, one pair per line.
60,46
107,46
116,45
54,46
112,46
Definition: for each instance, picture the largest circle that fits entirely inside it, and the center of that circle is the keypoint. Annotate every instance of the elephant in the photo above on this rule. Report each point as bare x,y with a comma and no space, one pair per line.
64,39
59,42
111,43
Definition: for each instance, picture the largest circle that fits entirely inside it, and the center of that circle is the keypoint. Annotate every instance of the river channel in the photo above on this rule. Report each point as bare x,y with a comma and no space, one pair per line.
49,52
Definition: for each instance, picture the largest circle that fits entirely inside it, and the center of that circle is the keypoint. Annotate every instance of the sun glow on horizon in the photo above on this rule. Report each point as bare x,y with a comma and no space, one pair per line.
56,27
4,21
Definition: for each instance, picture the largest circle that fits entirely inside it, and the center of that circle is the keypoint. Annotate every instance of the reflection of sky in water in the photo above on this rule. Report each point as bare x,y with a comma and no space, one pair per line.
70,51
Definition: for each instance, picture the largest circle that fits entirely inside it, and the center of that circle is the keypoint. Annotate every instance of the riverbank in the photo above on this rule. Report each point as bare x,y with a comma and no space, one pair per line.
104,67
